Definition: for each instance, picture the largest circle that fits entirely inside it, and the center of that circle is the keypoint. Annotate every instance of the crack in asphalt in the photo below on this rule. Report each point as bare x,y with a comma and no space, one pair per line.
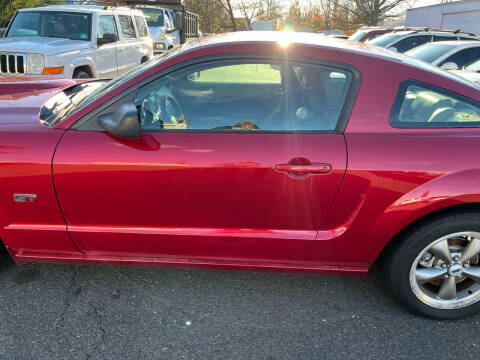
66,304
101,326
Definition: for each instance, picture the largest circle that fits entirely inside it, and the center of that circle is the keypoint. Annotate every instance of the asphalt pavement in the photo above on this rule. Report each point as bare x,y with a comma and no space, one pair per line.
95,312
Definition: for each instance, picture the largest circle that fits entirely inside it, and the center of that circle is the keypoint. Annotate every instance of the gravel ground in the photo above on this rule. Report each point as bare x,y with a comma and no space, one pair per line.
94,312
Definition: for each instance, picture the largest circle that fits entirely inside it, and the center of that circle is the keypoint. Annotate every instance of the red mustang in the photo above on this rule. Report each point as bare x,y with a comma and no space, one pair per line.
255,151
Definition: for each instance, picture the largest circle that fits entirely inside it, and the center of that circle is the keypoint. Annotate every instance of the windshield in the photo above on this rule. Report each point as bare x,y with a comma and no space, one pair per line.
127,76
358,35
385,40
64,25
154,17
65,101
429,52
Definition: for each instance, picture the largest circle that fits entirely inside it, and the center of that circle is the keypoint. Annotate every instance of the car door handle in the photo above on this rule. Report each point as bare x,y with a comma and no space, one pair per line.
315,168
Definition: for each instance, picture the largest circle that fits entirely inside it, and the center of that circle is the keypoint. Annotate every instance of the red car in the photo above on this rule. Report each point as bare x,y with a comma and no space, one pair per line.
368,33
255,151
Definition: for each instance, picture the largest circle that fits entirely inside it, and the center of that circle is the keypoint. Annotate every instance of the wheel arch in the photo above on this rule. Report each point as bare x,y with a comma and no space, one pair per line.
430,216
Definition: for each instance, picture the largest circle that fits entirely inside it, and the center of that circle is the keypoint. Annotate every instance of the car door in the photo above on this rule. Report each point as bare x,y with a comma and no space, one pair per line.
251,184
106,55
127,52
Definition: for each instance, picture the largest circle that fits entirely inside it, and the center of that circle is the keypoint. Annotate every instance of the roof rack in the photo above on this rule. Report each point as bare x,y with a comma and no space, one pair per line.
411,29
105,4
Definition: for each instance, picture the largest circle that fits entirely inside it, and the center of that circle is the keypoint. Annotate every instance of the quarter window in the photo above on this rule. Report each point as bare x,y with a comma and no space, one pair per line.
141,26
245,96
420,105
126,25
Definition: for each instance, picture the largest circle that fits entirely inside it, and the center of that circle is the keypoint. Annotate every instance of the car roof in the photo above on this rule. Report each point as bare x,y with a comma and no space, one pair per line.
457,43
81,8
287,37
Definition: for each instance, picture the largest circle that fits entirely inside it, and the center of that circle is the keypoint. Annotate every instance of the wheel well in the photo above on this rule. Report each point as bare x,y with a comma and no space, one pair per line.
85,68
424,219
170,47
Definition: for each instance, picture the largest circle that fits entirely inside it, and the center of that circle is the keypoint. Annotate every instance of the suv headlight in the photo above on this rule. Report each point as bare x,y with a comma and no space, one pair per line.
35,63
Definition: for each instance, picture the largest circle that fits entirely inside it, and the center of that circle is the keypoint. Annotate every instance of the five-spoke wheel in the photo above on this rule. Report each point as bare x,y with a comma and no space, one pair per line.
434,268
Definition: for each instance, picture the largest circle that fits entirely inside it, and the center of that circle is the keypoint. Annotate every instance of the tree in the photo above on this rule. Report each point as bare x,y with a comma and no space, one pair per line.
374,12
9,7
227,4
249,10
213,15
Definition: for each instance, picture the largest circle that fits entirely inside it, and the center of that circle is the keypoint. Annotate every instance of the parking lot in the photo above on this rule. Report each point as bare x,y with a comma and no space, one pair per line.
95,312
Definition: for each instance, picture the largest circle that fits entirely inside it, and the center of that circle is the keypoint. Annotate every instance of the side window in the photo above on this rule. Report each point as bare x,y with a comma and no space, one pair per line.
421,105
443,38
126,25
464,57
245,96
106,25
411,42
141,26
373,36
168,22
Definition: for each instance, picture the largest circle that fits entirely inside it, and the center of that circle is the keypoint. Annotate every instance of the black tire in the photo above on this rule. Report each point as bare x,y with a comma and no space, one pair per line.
81,74
399,258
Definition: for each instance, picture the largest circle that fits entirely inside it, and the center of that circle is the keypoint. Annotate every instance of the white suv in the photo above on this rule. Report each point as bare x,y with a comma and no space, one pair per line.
403,40
75,41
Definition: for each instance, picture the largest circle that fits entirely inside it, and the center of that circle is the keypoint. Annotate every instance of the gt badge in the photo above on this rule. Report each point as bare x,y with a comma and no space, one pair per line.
24,198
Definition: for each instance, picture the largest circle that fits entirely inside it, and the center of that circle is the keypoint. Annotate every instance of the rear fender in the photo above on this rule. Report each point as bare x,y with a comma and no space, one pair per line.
446,191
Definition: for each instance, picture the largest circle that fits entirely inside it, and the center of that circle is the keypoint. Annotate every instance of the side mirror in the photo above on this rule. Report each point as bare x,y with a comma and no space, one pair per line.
178,21
123,122
450,65
393,48
107,39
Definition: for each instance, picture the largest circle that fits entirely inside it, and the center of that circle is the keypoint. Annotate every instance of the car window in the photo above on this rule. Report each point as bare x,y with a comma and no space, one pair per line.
411,42
126,25
245,96
168,22
421,105
106,25
475,66
153,16
141,26
358,35
443,38
55,24
372,36
464,57
429,52
385,39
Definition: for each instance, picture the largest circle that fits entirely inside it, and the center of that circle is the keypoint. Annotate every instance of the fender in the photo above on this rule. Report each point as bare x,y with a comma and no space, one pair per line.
449,190
74,63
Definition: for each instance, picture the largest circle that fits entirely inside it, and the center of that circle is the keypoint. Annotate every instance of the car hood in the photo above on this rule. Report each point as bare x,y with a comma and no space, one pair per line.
469,75
22,104
41,45
156,32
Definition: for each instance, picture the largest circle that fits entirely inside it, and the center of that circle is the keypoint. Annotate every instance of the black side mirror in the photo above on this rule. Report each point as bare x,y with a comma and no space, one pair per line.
178,21
107,39
122,122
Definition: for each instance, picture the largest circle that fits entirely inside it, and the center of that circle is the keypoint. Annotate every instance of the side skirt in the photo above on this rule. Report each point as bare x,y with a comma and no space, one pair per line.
307,268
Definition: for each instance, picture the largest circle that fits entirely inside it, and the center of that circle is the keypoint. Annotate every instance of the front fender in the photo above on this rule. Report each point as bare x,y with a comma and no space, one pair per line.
74,63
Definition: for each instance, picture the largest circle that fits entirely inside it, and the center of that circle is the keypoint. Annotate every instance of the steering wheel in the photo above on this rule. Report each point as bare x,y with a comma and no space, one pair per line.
161,110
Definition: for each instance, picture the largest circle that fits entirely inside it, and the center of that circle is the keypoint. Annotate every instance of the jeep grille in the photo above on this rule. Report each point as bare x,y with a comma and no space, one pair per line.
12,64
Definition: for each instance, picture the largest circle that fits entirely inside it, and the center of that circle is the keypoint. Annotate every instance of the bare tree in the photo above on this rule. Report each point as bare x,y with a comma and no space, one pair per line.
249,10
373,12
227,4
